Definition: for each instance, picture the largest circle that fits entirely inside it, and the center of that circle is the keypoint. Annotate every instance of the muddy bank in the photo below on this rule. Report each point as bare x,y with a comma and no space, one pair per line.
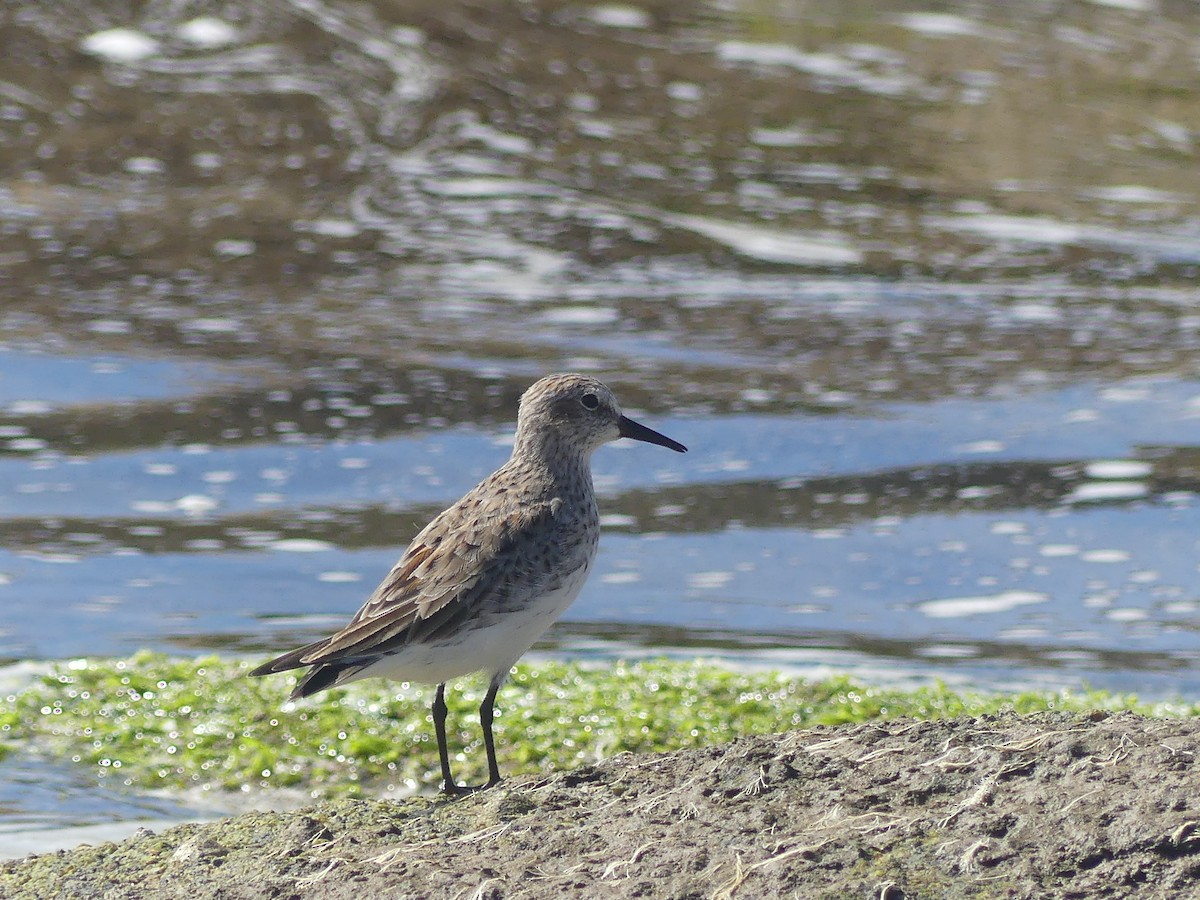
1051,805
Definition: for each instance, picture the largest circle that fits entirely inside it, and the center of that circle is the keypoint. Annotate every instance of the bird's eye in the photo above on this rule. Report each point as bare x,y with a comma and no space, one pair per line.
591,401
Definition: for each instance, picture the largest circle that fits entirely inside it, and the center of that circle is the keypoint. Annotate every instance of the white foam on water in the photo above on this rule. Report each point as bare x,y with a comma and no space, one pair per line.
483,187
1059,550
145,165
784,137
29,408
1095,491
109,326
617,520
1133,193
330,227
1118,469
956,607
985,446
1009,528
1179,246
933,24
1031,311
207,32
213,325
710,580
233,247
841,70
27,445
339,577
1127,5
581,315
771,245
614,15
621,578
1106,556
1032,229
947,651
195,504
1127,614
977,492
300,545
122,45
685,91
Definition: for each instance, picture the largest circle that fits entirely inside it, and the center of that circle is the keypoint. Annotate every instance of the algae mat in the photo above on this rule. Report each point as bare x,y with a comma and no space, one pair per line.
1049,805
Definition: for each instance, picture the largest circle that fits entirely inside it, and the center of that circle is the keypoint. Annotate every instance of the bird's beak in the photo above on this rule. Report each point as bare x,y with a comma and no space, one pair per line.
631,429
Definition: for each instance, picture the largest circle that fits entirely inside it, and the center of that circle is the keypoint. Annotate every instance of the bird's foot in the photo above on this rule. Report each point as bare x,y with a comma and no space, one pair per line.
450,789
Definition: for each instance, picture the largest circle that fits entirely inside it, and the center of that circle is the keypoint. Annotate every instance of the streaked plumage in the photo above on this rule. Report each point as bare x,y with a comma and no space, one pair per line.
486,578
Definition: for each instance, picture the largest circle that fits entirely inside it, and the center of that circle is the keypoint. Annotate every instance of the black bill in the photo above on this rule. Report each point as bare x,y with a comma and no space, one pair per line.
632,429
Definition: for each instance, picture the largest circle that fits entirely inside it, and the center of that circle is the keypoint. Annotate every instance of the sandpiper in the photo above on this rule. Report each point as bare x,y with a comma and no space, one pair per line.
486,578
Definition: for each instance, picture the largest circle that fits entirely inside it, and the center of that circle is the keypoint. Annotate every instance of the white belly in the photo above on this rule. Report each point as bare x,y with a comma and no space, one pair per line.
491,643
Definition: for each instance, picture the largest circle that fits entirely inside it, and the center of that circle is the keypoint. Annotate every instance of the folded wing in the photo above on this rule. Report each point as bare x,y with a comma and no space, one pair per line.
449,569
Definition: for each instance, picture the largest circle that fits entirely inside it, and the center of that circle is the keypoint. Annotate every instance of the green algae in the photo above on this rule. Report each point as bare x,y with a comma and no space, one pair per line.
160,722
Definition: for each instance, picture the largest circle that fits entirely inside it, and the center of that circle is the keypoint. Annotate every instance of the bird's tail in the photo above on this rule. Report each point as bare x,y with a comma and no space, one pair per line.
293,659
322,676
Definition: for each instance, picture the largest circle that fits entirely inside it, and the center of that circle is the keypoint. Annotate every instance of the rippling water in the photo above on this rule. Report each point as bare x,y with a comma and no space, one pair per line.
918,289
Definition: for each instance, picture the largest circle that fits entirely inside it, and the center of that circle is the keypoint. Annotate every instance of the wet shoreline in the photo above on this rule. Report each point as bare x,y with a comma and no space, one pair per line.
1043,805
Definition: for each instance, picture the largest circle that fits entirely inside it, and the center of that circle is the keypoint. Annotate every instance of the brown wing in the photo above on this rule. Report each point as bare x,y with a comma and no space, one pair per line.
452,565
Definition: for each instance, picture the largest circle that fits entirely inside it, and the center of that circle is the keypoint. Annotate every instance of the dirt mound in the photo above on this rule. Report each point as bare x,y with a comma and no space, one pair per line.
1043,806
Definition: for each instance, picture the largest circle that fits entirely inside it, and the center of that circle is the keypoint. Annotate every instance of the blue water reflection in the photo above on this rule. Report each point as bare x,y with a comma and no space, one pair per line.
1072,576
32,381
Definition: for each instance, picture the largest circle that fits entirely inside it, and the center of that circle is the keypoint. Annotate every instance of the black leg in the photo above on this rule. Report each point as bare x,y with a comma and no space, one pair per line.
439,727
485,719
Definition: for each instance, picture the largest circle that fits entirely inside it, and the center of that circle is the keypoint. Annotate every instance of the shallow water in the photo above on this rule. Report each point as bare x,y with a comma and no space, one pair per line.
918,289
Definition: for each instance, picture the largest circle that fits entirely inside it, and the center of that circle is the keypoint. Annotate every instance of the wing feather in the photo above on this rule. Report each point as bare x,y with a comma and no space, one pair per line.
438,582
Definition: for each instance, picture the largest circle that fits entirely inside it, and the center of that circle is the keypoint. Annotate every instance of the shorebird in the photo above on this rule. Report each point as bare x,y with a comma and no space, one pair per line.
486,578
